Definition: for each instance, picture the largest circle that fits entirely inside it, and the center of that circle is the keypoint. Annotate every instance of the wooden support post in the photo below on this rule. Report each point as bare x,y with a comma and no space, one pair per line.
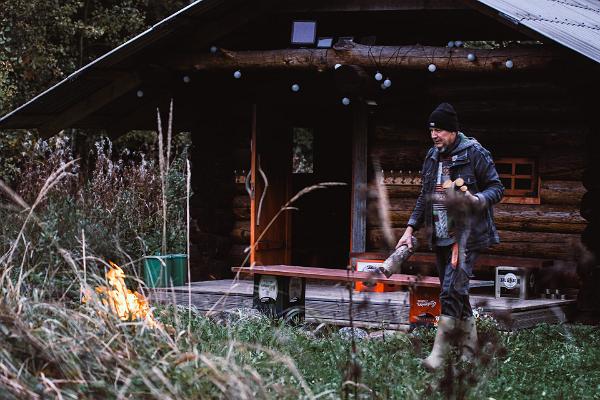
359,177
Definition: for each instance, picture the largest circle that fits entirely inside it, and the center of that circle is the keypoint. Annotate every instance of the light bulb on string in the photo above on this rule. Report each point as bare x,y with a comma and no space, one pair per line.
337,66
451,44
509,63
186,79
458,43
378,76
431,67
471,57
213,49
237,74
387,83
140,93
383,87
295,87
345,101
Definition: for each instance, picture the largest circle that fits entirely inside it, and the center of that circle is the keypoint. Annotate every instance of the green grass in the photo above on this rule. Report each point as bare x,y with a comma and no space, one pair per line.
548,361
81,351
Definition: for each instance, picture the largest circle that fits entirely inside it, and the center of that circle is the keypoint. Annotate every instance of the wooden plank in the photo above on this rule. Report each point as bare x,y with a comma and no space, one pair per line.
338,275
358,206
483,260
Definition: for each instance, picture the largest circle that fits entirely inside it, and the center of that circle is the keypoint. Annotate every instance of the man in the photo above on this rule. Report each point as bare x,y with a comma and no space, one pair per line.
459,224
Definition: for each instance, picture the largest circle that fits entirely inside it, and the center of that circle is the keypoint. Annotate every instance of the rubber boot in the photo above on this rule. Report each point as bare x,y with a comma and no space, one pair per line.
447,327
469,339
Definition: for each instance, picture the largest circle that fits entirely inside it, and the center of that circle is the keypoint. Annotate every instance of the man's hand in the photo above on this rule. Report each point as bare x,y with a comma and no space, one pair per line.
406,238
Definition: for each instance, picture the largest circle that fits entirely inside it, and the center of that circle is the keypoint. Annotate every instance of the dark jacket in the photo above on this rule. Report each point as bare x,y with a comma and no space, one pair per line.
474,164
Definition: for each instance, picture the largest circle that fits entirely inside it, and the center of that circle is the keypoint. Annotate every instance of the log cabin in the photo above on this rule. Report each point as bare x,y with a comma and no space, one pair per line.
280,96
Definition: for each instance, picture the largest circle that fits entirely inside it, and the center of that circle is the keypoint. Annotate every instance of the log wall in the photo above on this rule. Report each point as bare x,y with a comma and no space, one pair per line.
510,120
220,208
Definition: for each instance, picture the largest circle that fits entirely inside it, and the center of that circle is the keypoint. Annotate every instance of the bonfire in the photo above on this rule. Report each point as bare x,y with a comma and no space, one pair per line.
126,304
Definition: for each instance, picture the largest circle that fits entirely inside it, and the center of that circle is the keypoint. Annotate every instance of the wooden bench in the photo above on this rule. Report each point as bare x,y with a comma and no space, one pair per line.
279,290
484,260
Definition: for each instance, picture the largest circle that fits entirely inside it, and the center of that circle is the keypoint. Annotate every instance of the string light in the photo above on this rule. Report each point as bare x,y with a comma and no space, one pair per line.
337,66
237,74
186,79
213,49
140,93
451,44
387,83
458,43
509,63
345,101
431,67
378,76
295,87
471,57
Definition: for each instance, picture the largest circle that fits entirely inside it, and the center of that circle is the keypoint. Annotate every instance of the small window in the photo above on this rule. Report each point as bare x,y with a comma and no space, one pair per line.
520,180
302,151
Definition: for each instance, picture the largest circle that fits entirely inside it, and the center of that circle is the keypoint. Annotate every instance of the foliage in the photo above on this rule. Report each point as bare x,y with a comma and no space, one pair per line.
117,208
42,41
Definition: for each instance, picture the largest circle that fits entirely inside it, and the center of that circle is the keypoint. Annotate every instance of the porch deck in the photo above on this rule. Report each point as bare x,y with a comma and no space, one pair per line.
330,304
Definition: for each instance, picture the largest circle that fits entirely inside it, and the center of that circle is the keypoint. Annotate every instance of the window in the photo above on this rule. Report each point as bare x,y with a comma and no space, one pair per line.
302,151
520,180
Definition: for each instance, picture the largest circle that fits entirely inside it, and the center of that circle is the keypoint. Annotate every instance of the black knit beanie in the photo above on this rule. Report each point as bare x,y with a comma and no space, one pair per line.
444,117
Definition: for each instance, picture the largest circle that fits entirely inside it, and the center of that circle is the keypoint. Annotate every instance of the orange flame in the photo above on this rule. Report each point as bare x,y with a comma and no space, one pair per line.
127,305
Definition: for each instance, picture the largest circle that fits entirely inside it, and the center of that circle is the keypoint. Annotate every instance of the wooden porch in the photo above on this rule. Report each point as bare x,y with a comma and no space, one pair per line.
330,304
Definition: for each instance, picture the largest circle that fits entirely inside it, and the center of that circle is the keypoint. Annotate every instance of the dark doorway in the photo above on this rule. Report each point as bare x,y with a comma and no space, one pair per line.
321,226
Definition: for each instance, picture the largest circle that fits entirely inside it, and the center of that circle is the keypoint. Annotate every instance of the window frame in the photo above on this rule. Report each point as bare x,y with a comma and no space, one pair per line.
520,196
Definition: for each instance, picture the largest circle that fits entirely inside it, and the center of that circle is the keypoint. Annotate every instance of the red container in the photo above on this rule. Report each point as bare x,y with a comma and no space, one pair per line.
425,306
361,265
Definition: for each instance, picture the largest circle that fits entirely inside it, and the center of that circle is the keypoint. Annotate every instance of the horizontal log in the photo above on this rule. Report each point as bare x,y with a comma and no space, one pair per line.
512,217
562,164
561,192
240,234
396,191
349,53
560,246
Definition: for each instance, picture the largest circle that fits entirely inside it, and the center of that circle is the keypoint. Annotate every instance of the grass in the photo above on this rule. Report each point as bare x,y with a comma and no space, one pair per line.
78,351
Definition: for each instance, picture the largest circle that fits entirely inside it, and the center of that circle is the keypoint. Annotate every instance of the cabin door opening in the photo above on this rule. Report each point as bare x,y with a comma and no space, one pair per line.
320,228
295,150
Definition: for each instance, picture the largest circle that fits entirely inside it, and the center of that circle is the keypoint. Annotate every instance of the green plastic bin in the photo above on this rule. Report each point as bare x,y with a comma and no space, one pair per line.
156,271
177,267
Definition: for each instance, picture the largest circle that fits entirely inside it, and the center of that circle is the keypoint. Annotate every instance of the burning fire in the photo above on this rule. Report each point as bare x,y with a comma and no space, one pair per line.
127,305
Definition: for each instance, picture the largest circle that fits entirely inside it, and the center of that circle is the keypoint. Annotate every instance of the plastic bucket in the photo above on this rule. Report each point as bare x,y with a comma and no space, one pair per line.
156,271
177,267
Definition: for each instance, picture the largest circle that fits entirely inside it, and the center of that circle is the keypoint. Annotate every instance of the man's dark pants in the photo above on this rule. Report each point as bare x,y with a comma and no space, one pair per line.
454,294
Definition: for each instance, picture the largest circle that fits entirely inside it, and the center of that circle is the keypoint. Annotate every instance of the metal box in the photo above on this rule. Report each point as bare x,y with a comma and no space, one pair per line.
514,282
